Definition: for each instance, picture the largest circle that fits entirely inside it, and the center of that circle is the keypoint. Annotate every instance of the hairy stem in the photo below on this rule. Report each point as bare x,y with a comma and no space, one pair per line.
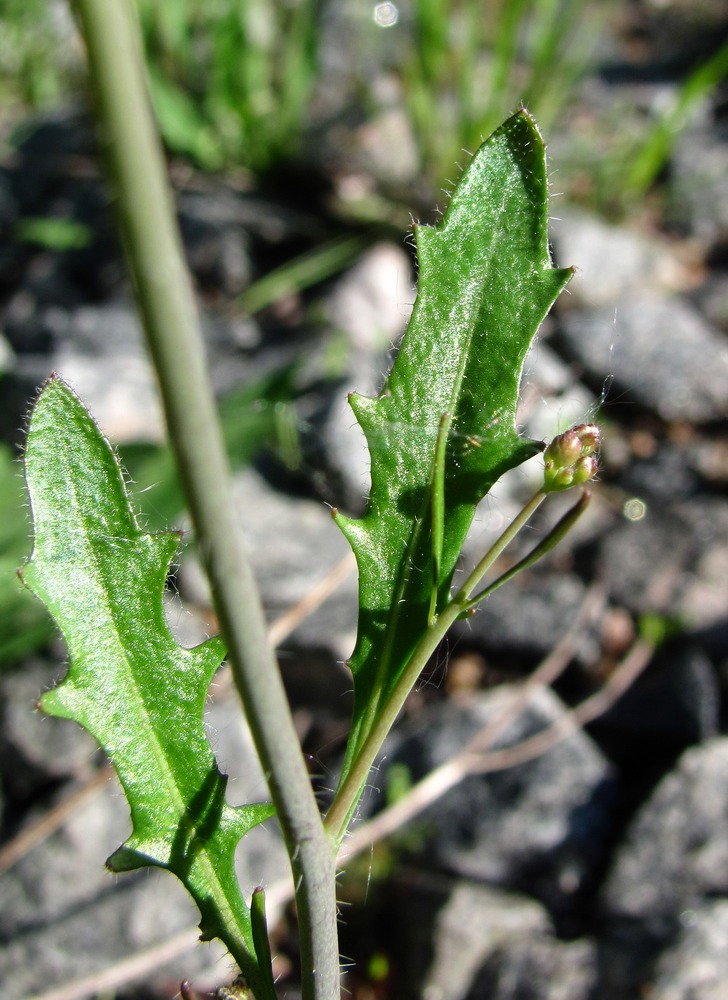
166,303
339,815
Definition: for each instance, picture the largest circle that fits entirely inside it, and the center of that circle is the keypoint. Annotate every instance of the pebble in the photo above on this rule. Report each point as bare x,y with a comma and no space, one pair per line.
659,351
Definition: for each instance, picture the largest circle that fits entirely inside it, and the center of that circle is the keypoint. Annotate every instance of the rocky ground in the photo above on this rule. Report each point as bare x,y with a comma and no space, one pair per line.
587,863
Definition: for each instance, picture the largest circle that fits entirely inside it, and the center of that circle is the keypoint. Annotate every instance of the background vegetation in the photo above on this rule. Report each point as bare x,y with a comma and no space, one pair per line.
399,93
352,116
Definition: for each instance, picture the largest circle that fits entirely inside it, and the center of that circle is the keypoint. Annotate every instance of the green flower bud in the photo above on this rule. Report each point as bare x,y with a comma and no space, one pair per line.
563,450
585,469
570,458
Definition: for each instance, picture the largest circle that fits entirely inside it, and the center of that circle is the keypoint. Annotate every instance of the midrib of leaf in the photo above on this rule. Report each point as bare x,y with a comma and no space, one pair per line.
143,714
133,695
386,658
120,655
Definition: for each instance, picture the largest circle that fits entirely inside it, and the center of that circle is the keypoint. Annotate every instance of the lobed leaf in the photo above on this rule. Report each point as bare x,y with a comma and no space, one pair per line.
486,282
129,683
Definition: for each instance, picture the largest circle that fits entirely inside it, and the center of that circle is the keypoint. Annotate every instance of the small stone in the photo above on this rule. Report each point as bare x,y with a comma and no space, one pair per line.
696,964
675,853
612,262
661,353
541,824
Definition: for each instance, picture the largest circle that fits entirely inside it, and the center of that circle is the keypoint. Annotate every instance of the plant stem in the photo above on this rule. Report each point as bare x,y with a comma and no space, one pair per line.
166,303
556,535
519,521
338,816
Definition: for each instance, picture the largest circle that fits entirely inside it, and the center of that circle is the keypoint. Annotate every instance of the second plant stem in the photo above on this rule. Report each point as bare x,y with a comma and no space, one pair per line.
338,815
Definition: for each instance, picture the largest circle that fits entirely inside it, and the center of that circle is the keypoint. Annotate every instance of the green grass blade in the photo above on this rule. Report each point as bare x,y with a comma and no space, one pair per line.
302,272
486,283
655,150
129,683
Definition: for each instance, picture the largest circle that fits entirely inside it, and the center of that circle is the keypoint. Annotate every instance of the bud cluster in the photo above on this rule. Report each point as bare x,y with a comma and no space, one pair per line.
571,458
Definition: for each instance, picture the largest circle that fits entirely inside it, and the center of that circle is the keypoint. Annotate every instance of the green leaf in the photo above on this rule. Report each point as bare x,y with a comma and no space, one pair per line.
129,683
486,282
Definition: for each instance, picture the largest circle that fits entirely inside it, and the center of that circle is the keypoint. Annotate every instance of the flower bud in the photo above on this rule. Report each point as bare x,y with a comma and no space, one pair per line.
585,468
590,436
564,449
570,458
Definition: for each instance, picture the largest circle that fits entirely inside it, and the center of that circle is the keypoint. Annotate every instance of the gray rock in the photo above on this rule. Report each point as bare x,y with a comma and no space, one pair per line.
372,302
527,616
711,298
292,544
388,149
65,916
475,921
36,748
698,186
552,399
186,626
703,594
674,704
7,356
661,353
542,824
612,262
344,457
370,306
217,245
665,476
675,853
492,945
542,968
9,209
673,859
672,559
120,391
99,351
695,967
644,559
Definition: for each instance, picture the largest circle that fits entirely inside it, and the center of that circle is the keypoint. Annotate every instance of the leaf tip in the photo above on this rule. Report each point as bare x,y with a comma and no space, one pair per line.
53,380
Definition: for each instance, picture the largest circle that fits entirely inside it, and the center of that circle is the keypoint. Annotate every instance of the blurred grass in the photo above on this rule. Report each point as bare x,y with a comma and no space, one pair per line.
653,151
470,64
53,233
309,268
40,59
234,81
231,81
